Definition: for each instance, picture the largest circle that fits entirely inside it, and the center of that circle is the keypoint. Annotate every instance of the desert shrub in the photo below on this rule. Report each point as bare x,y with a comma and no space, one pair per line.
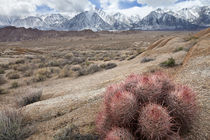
65,72
83,71
39,78
41,65
122,58
69,56
145,60
93,68
106,59
36,60
21,61
4,66
76,68
21,68
169,63
108,66
77,60
44,71
53,63
87,63
2,71
139,51
42,75
132,57
13,75
14,85
92,58
55,70
2,80
178,49
29,97
2,91
148,107
116,58
12,125
71,132
63,62
28,73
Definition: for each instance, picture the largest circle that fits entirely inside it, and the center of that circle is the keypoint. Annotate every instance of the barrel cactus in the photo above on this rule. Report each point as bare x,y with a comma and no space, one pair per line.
147,107
155,122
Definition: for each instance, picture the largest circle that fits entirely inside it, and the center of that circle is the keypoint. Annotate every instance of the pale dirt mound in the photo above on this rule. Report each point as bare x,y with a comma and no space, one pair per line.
202,33
160,43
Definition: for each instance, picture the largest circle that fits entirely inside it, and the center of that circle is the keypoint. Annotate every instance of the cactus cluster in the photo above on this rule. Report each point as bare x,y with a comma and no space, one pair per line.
147,107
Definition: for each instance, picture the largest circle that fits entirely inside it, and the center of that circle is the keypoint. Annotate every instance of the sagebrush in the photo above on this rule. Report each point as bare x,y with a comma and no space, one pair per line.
12,125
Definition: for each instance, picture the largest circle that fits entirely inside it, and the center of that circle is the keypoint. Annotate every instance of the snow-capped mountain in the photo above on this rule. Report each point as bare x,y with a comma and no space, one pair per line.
86,20
204,18
118,20
33,22
159,19
189,14
195,15
7,20
54,21
163,20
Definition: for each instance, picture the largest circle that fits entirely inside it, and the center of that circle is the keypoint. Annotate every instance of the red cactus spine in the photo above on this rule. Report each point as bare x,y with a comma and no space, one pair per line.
184,108
155,122
103,124
123,108
110,92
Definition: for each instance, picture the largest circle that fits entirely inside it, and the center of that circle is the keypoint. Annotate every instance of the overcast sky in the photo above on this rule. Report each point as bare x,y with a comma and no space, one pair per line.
130,7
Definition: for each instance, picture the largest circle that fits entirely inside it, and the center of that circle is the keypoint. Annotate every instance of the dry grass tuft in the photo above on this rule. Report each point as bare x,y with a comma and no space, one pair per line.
108,66
65,72
2,91
2,80
12,125
29,97
13,75
42,74
14,85
2,71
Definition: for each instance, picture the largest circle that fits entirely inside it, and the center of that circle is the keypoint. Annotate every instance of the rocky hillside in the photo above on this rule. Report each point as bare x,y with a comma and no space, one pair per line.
18,34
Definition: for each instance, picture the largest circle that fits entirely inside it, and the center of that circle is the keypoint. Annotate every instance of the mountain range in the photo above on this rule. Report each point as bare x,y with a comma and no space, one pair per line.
97,20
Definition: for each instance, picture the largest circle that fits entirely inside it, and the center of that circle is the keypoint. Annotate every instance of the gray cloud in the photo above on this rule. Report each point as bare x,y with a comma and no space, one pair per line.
69,5
157,3
28,7
172,3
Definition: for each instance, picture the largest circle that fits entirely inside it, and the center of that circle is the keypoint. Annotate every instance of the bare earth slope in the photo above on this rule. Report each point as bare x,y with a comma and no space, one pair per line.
195,72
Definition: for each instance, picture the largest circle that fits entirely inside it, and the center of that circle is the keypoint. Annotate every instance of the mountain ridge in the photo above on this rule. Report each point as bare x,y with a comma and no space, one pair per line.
97,20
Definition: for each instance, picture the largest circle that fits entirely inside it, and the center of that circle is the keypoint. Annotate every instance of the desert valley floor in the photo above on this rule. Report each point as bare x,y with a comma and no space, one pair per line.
73,72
